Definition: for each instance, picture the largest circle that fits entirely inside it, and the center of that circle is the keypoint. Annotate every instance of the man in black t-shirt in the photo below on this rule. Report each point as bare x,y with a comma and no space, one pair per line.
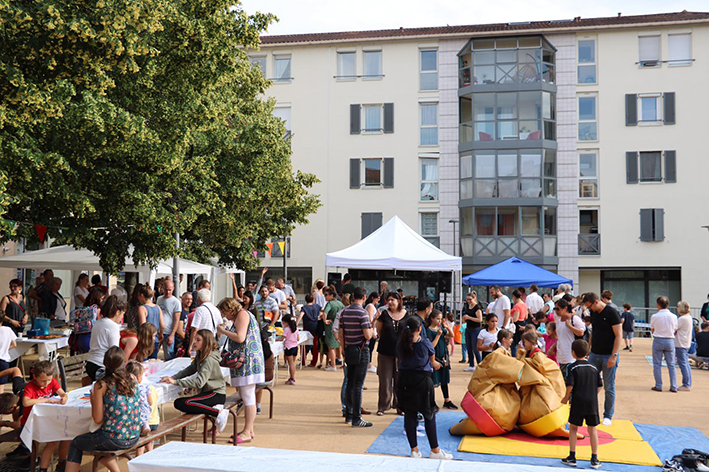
606,340
347,285
472,317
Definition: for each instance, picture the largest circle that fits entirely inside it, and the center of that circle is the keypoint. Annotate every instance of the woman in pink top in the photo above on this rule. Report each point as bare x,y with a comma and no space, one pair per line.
518,315
290,343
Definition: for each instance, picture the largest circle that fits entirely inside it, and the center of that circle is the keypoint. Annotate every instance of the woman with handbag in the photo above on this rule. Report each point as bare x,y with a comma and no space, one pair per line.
439,335
244,357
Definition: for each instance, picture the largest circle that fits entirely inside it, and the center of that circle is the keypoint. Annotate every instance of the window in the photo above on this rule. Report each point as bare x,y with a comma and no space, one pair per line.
588,125
429,124
586,61
508,116
346,66
649,50
680,49
372,118
429,180
370,223
283,112
377,172
508,221
282,68
260,62
372,64
588,174
651,166
429,69
652,224
429,228
650,108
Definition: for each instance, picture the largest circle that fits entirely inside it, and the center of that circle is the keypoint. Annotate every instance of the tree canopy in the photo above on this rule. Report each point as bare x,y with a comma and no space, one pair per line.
125,122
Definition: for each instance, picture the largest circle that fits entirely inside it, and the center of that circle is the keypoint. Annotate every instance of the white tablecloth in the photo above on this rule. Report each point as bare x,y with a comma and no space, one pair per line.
190,457
278,348
50,422
44,347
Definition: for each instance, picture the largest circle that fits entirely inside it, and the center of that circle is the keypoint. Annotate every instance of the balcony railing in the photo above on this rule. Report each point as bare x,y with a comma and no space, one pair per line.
589,244
507,246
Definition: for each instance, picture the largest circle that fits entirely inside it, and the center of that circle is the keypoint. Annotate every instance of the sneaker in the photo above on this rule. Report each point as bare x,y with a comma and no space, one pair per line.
348,419
372,369
419,417
19,451
23,465
673,390
470,368
463,361
595,464
684,389
330,369
222,419
258,410
338,362
361,424
450,405
631,350
570,461
441,455
607,422
626,348
416,454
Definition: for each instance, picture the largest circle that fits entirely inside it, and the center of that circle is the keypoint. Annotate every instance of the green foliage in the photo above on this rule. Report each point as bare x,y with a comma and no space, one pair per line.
124,122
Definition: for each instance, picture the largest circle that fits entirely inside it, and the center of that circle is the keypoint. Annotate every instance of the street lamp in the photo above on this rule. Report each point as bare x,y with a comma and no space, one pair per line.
454,221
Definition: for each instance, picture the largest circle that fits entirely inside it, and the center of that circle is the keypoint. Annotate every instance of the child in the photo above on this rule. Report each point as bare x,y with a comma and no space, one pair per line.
449,324
589,328
8,340
115,404
209,380
530,343
504,340
462,328
290,343
44,388
415,392
540,340
148,403
628,327
438,335
11,404
583,384
550,339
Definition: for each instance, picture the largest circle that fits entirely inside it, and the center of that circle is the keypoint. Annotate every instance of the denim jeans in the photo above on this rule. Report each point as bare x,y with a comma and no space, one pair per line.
471,343
355,382
664,347
464,350
168,350
682,354
154,355
601,363
96,441
343,390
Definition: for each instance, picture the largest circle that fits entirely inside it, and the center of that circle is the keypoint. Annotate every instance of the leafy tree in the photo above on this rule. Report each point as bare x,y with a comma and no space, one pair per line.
125,122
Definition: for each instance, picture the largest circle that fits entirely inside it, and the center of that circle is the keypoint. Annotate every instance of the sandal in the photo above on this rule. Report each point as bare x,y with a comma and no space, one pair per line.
238,440
380,413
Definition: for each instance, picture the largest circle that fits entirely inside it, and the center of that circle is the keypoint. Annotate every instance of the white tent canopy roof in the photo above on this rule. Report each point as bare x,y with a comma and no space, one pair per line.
70,258
394,246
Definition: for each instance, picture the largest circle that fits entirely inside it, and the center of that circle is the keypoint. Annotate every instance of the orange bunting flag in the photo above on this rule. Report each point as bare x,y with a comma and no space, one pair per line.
270,248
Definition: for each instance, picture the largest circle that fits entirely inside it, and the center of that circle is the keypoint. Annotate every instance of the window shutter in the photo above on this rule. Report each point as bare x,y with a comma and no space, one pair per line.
355,181
670,167
631,167
366,224
355,116
669,108
388,172
388,117
376,221
646,224
659,224
631,109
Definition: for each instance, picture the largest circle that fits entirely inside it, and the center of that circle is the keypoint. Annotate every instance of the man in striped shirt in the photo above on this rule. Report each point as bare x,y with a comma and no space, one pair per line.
355,330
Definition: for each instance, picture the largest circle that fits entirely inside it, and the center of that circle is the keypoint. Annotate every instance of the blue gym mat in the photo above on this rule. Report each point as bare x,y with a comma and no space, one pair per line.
667,441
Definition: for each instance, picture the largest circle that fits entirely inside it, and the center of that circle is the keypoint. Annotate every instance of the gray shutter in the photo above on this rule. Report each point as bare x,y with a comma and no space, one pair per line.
670,167
659,224
669,108
388,117
631,109
355,116
376,221
631,167
646,233
355,181
388,172
366,224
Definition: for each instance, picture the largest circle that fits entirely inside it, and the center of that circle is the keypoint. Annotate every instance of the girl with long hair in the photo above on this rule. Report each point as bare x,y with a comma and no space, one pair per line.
290,344
245,336
115,405
149,312
209,381
138,344
388,326
504,341
81,290
133,305
439,335
417,362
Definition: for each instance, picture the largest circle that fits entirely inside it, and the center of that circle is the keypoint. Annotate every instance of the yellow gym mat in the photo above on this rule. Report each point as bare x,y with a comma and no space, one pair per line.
620,443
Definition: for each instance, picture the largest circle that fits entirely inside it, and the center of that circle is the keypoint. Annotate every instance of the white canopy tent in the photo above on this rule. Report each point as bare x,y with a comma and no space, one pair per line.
394,246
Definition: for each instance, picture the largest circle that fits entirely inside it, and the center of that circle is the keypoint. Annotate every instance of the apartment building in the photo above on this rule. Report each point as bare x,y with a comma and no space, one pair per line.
573,144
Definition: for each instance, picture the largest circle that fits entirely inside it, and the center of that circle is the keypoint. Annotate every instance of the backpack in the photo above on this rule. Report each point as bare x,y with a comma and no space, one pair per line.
83,318
690,460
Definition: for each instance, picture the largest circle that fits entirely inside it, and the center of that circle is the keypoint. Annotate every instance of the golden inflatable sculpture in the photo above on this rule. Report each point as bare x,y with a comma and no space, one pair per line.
505,392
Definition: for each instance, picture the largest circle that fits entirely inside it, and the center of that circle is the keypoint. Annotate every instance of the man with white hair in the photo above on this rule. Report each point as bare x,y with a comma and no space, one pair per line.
559,293
207,316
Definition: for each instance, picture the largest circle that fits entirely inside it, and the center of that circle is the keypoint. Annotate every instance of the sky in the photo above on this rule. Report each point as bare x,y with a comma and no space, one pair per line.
315,16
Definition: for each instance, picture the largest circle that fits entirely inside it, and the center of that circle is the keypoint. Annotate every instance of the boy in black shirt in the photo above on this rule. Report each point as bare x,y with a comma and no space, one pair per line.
583,381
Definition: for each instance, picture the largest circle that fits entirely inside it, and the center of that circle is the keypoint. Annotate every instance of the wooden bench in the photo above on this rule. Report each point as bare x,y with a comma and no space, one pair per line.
10,436
71,368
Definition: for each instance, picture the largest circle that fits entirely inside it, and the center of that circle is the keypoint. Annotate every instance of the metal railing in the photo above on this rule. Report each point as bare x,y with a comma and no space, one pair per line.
589,244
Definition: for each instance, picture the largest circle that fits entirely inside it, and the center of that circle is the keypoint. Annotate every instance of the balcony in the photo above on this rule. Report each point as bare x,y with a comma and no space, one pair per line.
507,246
589,244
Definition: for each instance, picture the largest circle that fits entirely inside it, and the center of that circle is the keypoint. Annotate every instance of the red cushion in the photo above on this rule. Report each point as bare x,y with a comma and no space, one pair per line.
480,417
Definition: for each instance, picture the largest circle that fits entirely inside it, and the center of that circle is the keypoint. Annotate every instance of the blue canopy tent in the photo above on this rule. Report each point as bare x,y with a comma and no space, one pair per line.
515,272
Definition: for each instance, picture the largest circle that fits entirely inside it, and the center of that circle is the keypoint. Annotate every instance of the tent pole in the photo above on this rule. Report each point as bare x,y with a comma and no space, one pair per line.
176,264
